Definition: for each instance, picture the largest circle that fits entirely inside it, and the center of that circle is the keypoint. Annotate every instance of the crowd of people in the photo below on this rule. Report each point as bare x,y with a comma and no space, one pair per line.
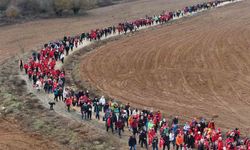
150,127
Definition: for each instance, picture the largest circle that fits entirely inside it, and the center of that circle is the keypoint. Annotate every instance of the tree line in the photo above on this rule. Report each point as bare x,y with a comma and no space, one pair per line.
15,8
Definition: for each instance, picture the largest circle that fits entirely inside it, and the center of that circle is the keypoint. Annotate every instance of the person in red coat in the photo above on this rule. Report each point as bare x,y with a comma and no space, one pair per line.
30,72
211,125
119,125
26,67
220,144
68,103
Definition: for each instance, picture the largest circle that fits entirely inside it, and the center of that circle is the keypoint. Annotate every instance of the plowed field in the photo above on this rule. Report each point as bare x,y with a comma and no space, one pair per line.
19,38
28,36
196,67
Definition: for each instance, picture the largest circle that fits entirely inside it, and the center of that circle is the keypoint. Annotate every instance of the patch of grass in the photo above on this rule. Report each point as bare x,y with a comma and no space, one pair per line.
38,124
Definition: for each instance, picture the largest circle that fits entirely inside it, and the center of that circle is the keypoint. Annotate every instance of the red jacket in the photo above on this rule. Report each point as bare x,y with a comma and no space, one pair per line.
119,124
26,66
68,101
220,145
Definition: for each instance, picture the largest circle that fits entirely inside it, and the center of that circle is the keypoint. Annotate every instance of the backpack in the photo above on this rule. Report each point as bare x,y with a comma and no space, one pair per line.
109,122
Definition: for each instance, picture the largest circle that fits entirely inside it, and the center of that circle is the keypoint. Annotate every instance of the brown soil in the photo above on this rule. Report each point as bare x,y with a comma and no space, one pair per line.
46,130
196,67
12,137
28,36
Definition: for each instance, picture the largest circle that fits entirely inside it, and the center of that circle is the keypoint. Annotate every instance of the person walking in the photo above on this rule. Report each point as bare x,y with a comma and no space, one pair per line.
155,143
143,138
89,111
201,145
56,94
68,103
21,64
84,109
179,142
119,125
132,143
190,141
172,138
109,123
62,57
97,110
166,142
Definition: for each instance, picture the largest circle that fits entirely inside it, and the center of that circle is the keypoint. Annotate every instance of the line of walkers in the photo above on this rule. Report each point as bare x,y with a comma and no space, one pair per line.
151,128
40,68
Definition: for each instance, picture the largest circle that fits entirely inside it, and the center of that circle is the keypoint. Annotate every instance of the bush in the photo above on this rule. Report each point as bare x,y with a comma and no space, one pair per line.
76,6
60,5
90,4
14,8
28,6
12,12
4,4
46,5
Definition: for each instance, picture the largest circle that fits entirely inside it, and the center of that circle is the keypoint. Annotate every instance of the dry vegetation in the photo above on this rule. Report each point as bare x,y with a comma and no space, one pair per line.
21,8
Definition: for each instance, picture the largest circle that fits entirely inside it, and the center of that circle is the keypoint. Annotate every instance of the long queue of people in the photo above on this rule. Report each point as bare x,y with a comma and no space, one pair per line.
151,127
40,68
153,130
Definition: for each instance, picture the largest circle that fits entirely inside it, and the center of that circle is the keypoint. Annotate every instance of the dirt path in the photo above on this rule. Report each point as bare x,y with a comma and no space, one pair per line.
198,67
19,38
24,107
74,115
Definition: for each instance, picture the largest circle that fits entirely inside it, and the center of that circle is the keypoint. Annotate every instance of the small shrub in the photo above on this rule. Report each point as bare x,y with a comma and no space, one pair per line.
60,5
12,12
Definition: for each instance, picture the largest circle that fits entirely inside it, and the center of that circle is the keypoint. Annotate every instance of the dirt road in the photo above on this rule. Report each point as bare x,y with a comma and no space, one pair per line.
20,38
28,36
197,67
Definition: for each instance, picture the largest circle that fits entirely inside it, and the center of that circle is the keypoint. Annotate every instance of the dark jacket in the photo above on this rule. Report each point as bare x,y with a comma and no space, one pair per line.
132,141
155,142
201,146
166,140
190,141
143,135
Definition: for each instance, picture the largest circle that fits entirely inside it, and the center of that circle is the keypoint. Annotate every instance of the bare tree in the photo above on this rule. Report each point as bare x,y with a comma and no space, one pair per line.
76,6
